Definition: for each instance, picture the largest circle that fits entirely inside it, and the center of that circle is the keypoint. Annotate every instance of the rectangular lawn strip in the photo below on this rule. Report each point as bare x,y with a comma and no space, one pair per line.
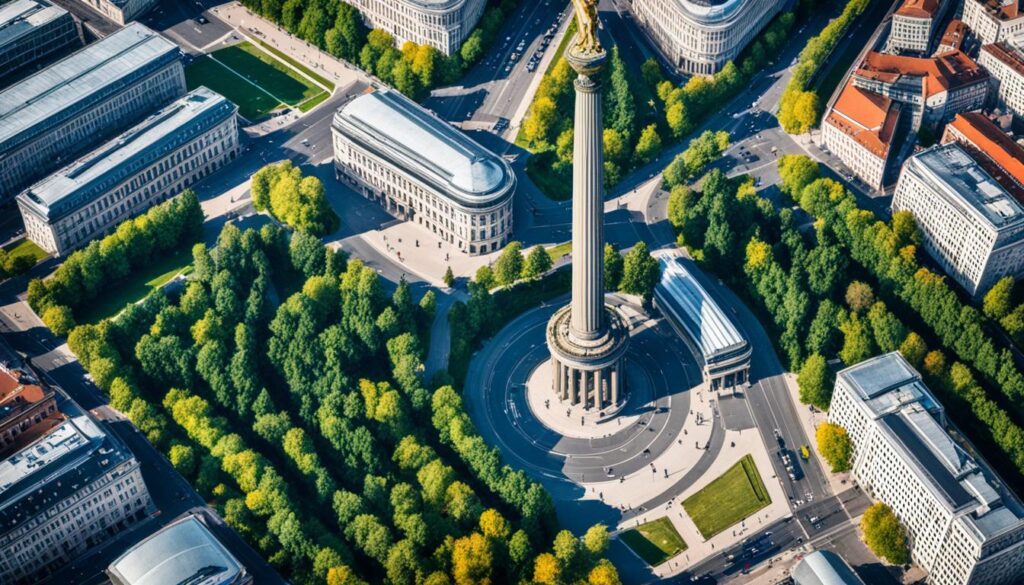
733,496
305,70
138,285
313,101
557,252
655,542
252,102
267,72
26,246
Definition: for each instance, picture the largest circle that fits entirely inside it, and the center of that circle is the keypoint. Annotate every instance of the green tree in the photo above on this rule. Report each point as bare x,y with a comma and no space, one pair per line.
509,265
648,147
796,172
815,382
596,540
538,261
835,446
886,329
59,319
449,277
998,301
914,349
613,266
859,296
640,272
857,342
884,534
485,277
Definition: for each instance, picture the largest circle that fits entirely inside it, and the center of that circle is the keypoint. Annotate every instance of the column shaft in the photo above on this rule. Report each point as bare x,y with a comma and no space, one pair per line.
587,314
615,384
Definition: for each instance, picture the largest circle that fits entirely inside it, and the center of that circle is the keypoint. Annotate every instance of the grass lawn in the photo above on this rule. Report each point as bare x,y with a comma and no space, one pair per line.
559,251
305,70
655,542
138,285
273,84
728,499
26,246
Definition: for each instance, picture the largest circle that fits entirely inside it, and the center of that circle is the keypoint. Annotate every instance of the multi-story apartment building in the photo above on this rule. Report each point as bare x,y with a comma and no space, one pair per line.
25,405
55,115
700,36
153,161
184,551
993,20
965,527
914,24
953,38
860,130
422,169
443,24
1004,61
971,223
121,11
935,88
68,485
31,32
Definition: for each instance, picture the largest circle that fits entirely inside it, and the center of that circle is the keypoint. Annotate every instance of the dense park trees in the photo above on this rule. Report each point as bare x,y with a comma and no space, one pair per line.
835,446
293,199
800,105
338,28
285,384
884,534
103,264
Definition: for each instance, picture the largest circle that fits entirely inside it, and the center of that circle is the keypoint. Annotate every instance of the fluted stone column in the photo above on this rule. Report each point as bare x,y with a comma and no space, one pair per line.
587,312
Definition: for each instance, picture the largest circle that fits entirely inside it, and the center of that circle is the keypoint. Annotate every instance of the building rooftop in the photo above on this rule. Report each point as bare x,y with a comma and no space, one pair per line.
183,552
986,140
824,567
705,323
954,173
81,182
867,117
400,130
56,465
918,8
954,35
21,17
913,423
950,70
80,81
1000,9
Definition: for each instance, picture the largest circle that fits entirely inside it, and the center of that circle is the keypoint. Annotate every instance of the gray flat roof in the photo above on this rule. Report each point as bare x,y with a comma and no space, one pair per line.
403,132
956,176
21,17
182,552
927,461
83,181
824,567
710,329
80,81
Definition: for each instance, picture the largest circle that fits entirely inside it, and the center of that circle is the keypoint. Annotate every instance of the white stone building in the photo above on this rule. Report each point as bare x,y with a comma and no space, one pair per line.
121,11
65,491
443,24
700,36
55,115
157,159
914,24
860,130
1004,61
964,526
993,20
422,169
31,31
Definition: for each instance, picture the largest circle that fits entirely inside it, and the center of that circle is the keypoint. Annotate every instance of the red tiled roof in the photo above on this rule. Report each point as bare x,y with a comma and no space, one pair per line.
947,71
867,117
980,133
954,35
918,8
1007,54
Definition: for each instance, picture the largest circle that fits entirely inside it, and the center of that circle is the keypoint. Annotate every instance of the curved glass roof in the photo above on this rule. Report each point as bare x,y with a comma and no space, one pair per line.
711,11
412,138
182,552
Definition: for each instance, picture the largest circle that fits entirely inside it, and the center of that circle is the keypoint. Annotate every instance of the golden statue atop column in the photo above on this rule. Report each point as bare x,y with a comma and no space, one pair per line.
586,26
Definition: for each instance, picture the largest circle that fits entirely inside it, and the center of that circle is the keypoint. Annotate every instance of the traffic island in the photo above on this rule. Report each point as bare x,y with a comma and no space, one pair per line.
655,542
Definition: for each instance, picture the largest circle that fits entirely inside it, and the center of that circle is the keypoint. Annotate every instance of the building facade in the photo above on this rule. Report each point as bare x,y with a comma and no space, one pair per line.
964,526
993,20
184,551
442,24
121,11
699,36
58,113
31,31
972,225
914,24
701,323
150,163
860,129
421,169
1004,61
63,491
25,405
